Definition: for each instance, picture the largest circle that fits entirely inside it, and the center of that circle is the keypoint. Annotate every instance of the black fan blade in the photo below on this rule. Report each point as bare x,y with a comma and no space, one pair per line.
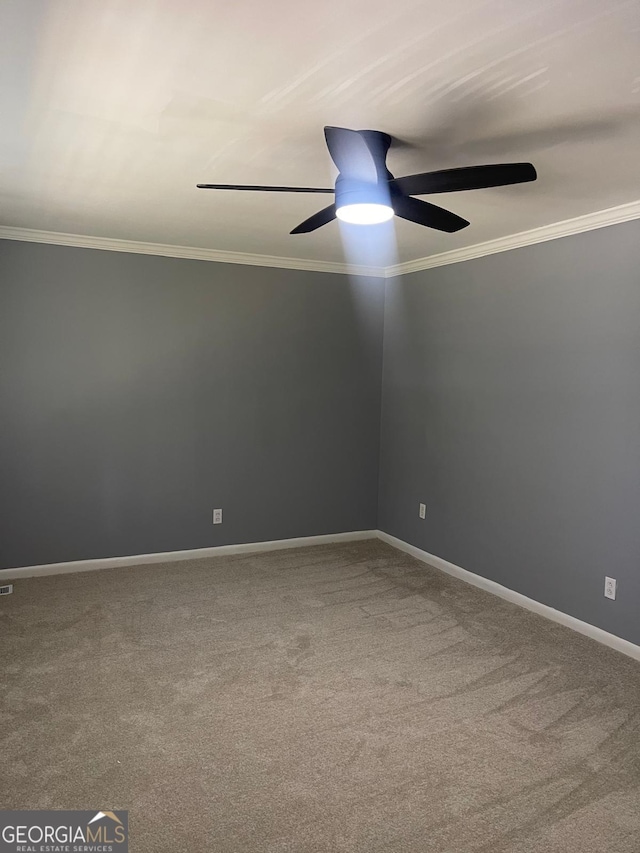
351,154
262,189
466,178
316,221
424,213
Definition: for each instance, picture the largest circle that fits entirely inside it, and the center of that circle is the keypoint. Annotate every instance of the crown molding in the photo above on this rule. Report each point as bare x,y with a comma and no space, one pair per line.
216,255
577,225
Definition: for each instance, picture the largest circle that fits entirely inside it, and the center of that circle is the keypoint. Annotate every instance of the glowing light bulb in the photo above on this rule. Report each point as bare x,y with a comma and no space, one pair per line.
364,214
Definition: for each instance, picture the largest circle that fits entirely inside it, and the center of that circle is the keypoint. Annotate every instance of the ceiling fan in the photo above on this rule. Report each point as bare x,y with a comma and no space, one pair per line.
367,193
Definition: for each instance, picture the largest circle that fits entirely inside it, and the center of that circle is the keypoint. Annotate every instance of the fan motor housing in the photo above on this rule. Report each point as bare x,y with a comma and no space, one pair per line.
349,191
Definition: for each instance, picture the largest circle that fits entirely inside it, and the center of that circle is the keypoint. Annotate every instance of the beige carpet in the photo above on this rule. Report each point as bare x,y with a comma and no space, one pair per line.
334,698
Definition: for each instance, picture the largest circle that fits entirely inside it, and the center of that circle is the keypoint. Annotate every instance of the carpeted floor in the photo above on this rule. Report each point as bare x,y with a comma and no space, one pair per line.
334,698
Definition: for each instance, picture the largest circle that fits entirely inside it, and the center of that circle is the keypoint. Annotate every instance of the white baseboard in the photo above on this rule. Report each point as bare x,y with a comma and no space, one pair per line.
174,556
604,637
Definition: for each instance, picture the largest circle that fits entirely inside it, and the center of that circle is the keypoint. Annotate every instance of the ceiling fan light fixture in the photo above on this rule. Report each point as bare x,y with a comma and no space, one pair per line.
362,202
366,192
365,214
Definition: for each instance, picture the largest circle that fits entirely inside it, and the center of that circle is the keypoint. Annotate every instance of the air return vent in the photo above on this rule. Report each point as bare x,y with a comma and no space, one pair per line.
7,589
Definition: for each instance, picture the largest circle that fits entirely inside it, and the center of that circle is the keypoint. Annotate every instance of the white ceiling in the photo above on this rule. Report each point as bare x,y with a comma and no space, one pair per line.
113,110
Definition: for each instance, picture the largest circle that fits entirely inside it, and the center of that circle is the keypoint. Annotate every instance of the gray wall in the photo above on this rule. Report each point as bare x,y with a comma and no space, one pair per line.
137,393
511,407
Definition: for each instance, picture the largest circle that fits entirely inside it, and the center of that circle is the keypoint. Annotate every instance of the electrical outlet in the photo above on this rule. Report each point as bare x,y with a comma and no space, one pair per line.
217,516
610,588
423,511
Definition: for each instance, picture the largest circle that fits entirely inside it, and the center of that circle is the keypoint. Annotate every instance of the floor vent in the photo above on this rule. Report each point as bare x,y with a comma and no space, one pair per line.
7,589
